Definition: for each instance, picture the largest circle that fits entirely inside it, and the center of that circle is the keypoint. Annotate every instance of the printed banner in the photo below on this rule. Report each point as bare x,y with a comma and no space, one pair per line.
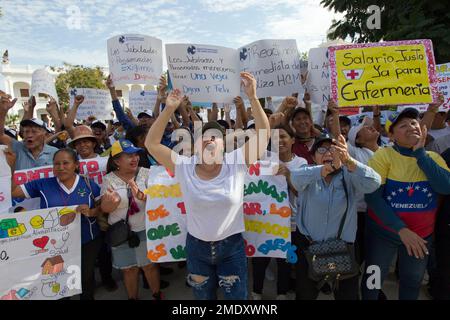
443,78
43,82
318,79
275,64
135,59
385,73
204,73
141,100
266,212
96,103
40,254
95,169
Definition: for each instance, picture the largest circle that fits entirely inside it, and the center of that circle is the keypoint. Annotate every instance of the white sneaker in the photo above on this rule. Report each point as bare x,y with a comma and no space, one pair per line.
256,296
281,297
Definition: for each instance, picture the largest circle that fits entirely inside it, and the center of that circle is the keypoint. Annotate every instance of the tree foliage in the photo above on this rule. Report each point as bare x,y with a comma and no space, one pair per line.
400,20
76,77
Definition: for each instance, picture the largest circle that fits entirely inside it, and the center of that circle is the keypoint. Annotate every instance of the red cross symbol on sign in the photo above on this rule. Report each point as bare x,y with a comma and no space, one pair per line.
352,74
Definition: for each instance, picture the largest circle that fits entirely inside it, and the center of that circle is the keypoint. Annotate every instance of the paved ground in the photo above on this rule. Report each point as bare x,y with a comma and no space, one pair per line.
179,291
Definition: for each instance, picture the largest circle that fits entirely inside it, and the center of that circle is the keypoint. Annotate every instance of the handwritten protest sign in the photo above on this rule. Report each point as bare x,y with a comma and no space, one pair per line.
398,72
93,168
267,216
266,212
96,103
443,78
5,182
140,100
40,254
204,73
275,64
43,82
135,59
318,79
165,217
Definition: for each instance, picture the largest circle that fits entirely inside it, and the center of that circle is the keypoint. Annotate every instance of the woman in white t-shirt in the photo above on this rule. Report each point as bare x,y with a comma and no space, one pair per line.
212,183
123,196
289,161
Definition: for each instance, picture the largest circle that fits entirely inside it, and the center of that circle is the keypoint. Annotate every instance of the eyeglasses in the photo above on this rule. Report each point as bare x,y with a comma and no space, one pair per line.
323,150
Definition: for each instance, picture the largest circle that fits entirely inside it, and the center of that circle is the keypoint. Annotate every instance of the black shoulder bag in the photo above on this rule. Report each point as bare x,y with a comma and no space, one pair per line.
332,260
120,232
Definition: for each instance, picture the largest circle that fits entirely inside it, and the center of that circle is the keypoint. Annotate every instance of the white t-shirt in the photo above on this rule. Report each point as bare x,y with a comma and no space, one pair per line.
213,207
137,220
295,163
440,144
439,132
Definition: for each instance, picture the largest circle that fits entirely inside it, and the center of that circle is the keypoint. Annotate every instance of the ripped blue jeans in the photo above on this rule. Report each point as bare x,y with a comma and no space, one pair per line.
217,264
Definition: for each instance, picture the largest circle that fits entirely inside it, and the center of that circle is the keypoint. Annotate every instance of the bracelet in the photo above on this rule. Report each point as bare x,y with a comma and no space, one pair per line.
350,161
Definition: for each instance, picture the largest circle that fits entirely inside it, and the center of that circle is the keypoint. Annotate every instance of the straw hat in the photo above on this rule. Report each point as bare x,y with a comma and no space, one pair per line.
81,132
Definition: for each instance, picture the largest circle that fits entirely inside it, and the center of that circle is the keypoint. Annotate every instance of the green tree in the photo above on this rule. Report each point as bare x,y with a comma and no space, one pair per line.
76,77
400,20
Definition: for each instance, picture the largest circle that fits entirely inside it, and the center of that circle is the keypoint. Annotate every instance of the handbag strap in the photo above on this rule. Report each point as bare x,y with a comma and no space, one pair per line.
342,223
130,195
341,226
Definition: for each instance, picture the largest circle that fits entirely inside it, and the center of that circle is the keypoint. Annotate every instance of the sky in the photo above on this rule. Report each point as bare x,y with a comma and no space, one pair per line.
49,32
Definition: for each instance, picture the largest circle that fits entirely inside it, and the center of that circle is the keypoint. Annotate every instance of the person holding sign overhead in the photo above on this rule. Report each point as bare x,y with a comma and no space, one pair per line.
212,183
402,212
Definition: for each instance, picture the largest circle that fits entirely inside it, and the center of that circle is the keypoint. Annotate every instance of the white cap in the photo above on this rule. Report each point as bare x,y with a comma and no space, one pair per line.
145,113
355,129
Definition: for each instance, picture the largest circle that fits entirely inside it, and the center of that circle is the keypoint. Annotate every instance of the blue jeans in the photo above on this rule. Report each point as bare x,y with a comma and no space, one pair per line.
380,251
221,263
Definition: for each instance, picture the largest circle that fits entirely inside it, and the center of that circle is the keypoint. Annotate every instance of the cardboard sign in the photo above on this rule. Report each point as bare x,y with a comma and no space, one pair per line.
140,100
204,73
318,80
443,78
385,73
275,64
96,103
40,254
266,212
43,82
135,59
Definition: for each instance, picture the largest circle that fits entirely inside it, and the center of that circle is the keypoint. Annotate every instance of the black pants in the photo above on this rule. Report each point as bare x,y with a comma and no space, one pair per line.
306,289
441,285
89,252
105,259
360,240
259,271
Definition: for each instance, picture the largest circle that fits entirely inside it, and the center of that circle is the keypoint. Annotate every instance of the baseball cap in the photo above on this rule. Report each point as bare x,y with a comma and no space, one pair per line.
298,110
11,132
115,121
33,122
251,124
123,145
355,129
145,113
319,140
98,124
213,125
397,116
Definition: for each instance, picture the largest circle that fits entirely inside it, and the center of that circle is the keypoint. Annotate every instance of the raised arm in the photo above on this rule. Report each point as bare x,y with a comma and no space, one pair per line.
5,105
53,111
28,108
121,116
241,115
261,122
72,114
162,95
335,126
161,153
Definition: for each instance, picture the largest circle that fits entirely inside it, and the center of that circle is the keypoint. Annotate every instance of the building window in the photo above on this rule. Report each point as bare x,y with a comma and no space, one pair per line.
24,93
119,93
43,95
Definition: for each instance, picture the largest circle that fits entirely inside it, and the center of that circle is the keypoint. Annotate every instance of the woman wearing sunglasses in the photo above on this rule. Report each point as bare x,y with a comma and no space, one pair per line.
327,192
